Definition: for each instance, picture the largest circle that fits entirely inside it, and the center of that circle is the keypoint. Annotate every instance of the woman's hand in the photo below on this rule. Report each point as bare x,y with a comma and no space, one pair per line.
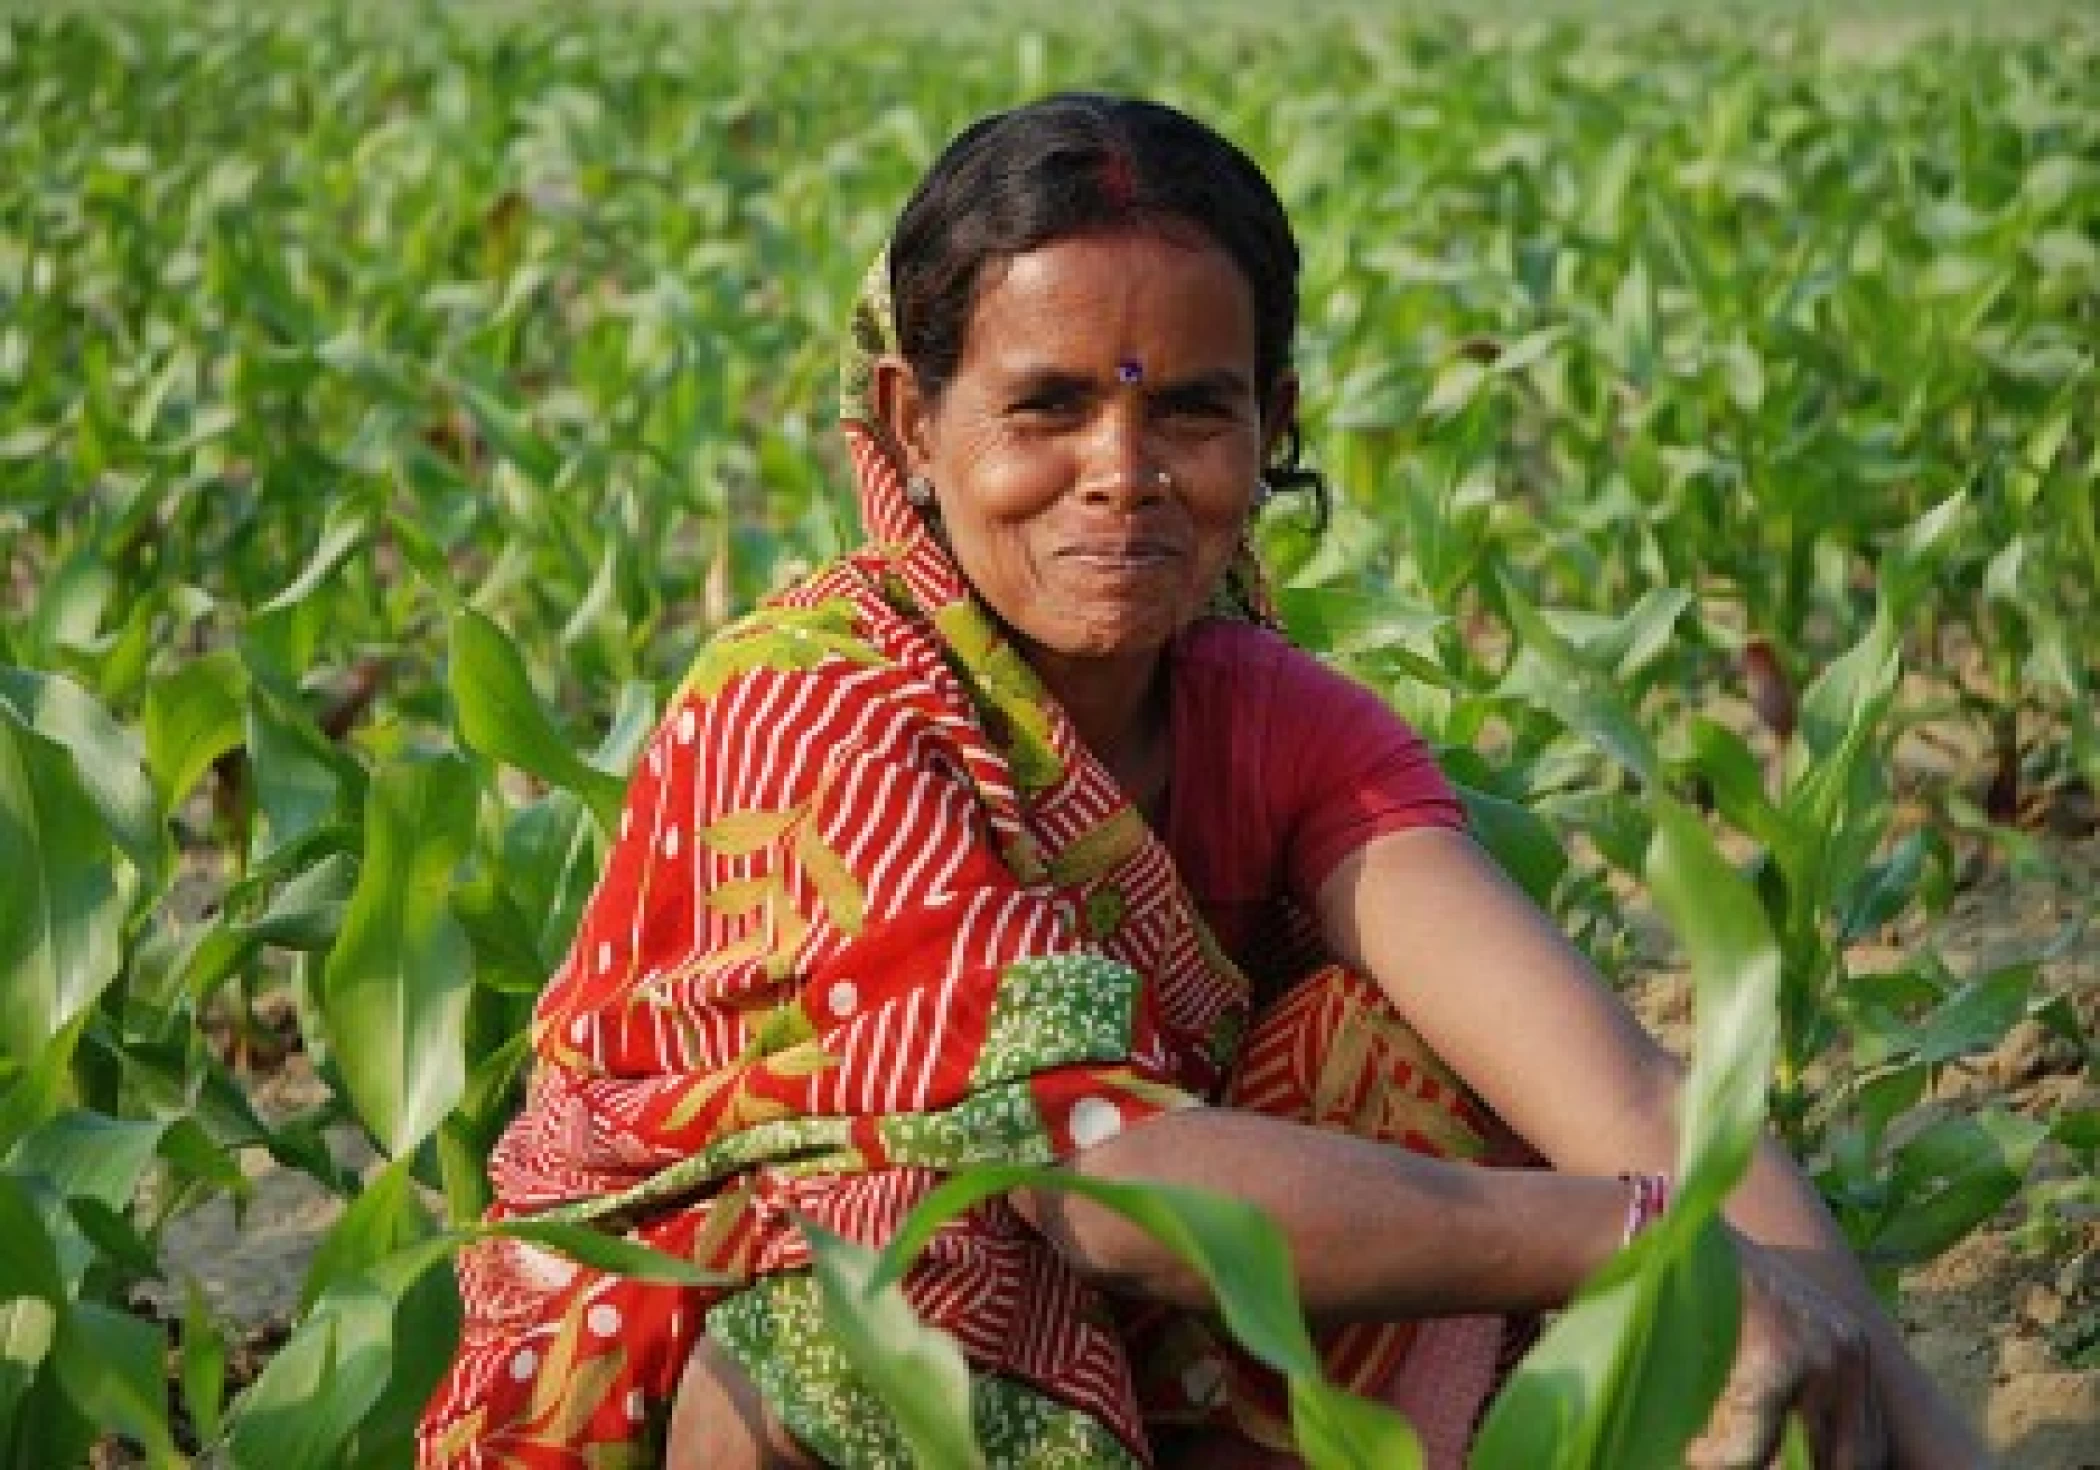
1800,1351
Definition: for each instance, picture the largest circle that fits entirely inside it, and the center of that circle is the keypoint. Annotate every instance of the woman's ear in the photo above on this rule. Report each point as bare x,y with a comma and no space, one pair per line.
902,409
1278,414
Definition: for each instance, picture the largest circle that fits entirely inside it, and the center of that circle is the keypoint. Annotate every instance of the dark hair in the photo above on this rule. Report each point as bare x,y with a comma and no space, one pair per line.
1080,163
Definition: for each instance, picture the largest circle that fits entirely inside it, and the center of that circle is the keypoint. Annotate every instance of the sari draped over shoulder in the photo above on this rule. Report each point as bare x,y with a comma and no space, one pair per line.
873,914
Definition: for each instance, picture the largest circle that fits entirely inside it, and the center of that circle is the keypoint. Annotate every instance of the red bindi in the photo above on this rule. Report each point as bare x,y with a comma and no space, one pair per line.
1118,179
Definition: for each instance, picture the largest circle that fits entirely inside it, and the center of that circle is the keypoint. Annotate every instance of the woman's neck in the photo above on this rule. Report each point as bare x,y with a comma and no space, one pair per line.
1119,708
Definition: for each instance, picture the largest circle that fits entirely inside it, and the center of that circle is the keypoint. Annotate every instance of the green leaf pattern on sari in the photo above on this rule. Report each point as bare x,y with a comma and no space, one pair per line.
1010,698
1055,1010
775,1330
782,638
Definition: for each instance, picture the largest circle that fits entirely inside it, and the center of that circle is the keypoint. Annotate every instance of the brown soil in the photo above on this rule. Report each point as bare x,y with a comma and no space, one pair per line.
1990,1317
1995,1319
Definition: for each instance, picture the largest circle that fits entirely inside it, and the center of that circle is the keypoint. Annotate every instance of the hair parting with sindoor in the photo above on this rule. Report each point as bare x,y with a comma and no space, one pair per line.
1083,163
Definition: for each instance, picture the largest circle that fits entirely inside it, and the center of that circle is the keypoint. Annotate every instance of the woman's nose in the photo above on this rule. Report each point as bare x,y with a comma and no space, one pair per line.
1123,467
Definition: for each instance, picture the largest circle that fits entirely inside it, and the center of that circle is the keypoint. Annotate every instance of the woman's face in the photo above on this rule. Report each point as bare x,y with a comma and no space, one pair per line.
1095,455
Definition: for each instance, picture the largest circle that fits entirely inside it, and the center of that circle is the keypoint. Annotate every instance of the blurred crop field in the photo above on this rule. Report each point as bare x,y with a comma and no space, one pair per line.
393,399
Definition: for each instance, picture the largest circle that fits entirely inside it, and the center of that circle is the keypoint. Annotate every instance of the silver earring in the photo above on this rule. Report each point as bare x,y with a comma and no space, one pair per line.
918,490
1262,491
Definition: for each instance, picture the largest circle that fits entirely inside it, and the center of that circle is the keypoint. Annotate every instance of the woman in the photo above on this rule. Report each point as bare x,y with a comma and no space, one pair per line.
1018,836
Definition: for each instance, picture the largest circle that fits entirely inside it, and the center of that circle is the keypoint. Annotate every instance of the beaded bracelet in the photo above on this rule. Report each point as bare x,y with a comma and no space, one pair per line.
1648,1195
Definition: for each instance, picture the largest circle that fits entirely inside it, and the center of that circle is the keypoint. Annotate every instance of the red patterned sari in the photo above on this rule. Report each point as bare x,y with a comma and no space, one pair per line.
875,914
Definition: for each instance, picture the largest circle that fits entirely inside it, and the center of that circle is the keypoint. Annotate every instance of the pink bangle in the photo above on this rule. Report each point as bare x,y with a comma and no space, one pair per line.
1648,1195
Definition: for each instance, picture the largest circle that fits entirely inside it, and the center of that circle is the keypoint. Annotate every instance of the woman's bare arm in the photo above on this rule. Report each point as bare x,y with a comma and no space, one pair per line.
1375,1233
1498,992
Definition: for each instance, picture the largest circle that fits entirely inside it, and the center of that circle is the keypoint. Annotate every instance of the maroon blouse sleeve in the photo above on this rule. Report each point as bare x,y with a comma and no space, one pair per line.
1285,767
1343,768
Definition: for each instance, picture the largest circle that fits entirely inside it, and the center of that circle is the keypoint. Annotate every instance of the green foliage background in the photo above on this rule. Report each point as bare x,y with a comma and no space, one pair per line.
392,400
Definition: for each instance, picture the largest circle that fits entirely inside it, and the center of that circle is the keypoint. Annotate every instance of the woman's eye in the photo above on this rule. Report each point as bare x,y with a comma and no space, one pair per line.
1201,409
1047,405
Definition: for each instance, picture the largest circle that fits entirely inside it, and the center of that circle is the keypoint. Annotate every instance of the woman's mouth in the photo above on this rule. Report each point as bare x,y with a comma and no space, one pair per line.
1122,556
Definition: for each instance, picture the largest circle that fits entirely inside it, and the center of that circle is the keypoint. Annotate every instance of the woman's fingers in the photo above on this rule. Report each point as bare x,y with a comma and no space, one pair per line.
1798,1352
